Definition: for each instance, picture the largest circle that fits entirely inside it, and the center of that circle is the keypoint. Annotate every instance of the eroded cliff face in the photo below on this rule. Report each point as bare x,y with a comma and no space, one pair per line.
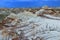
39,25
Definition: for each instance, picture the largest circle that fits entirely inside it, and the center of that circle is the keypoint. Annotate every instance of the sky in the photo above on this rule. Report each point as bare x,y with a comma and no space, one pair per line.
28,0
29,3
